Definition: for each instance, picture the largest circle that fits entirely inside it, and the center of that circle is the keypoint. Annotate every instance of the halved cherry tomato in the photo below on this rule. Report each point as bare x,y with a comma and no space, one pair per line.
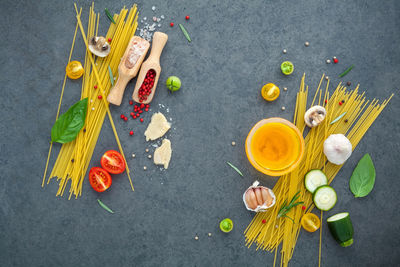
99,179
310,222
113,162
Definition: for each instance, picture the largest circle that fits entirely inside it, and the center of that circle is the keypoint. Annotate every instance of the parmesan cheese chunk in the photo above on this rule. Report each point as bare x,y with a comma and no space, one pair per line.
157,127
162,154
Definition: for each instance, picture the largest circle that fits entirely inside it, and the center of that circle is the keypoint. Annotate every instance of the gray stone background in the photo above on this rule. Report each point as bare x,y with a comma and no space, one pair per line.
236,48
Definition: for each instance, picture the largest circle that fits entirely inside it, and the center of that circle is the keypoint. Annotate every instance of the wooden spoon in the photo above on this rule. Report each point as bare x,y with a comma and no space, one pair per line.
128,67
152,62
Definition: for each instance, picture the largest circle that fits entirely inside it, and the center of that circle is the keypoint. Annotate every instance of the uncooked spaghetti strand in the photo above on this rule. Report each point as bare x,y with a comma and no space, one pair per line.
61,97
320,242
103,97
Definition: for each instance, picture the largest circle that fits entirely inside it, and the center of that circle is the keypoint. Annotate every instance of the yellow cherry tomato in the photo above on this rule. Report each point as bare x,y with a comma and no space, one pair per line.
270,92
310,222
74,70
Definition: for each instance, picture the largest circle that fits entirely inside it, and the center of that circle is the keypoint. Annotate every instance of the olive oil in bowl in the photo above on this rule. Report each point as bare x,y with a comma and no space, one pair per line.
274,146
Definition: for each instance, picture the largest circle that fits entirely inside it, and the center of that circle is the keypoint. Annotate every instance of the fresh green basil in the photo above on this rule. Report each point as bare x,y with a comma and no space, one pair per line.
363,178
68,125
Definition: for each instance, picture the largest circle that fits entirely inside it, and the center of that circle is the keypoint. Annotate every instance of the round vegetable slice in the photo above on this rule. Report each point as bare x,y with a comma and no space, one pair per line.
99,179
226,225
341,228
314,179
325,197
113,162
287,67
310,222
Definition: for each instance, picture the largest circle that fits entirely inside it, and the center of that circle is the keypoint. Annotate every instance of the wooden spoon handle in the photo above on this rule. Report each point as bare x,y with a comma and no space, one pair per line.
159,41
117,92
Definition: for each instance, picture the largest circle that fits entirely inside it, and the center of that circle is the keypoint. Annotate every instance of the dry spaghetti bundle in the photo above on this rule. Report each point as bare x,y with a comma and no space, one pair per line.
74,157
359,116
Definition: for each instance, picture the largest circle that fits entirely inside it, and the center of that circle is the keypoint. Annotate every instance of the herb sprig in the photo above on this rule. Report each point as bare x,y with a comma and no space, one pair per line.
285,208
185,33
235,168
346,71
104,206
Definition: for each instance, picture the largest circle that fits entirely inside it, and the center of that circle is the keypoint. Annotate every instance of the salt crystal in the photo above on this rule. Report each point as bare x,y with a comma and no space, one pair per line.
158,19
141,21
159,25
162,17
144,18
153,8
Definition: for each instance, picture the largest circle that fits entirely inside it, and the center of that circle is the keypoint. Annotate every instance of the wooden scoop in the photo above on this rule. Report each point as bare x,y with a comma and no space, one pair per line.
152,62
128,67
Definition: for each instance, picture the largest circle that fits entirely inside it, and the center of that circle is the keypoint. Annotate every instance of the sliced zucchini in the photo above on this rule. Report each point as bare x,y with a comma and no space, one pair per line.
314,179
341,228
325,197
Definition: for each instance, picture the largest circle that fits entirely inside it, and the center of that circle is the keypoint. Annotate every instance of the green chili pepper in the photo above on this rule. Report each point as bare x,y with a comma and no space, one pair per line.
104,206
346,71
185,32
109,16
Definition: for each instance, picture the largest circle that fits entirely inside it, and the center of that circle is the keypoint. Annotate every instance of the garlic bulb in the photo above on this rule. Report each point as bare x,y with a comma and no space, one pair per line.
337,148
258,198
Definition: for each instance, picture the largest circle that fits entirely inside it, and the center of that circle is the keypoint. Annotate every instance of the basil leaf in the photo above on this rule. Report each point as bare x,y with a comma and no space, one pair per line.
68,125
363,178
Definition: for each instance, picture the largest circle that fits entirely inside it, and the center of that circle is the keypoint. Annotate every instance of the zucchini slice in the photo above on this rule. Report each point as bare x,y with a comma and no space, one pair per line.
314,179
325,197
341,228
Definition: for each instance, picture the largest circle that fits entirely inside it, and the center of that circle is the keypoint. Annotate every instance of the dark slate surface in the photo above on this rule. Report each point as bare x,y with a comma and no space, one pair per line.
237,47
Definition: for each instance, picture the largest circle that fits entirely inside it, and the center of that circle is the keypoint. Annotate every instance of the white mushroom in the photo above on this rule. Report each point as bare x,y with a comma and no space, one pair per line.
314,116
99,46
337,148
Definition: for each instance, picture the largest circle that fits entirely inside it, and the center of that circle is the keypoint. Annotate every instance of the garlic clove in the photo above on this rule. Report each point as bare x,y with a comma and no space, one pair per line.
257,191
314,116
251,199
266,196
337,148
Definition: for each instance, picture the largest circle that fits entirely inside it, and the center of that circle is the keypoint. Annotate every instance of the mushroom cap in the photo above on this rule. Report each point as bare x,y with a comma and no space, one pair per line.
337,148
99,46
314,116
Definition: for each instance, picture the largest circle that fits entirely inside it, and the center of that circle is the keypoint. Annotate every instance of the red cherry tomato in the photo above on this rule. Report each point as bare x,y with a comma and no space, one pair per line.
113,162
99,179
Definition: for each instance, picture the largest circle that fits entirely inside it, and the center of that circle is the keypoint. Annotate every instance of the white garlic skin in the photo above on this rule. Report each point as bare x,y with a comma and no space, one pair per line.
337,148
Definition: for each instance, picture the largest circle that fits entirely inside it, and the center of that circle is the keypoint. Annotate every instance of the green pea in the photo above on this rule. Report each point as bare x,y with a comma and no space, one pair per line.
173,83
